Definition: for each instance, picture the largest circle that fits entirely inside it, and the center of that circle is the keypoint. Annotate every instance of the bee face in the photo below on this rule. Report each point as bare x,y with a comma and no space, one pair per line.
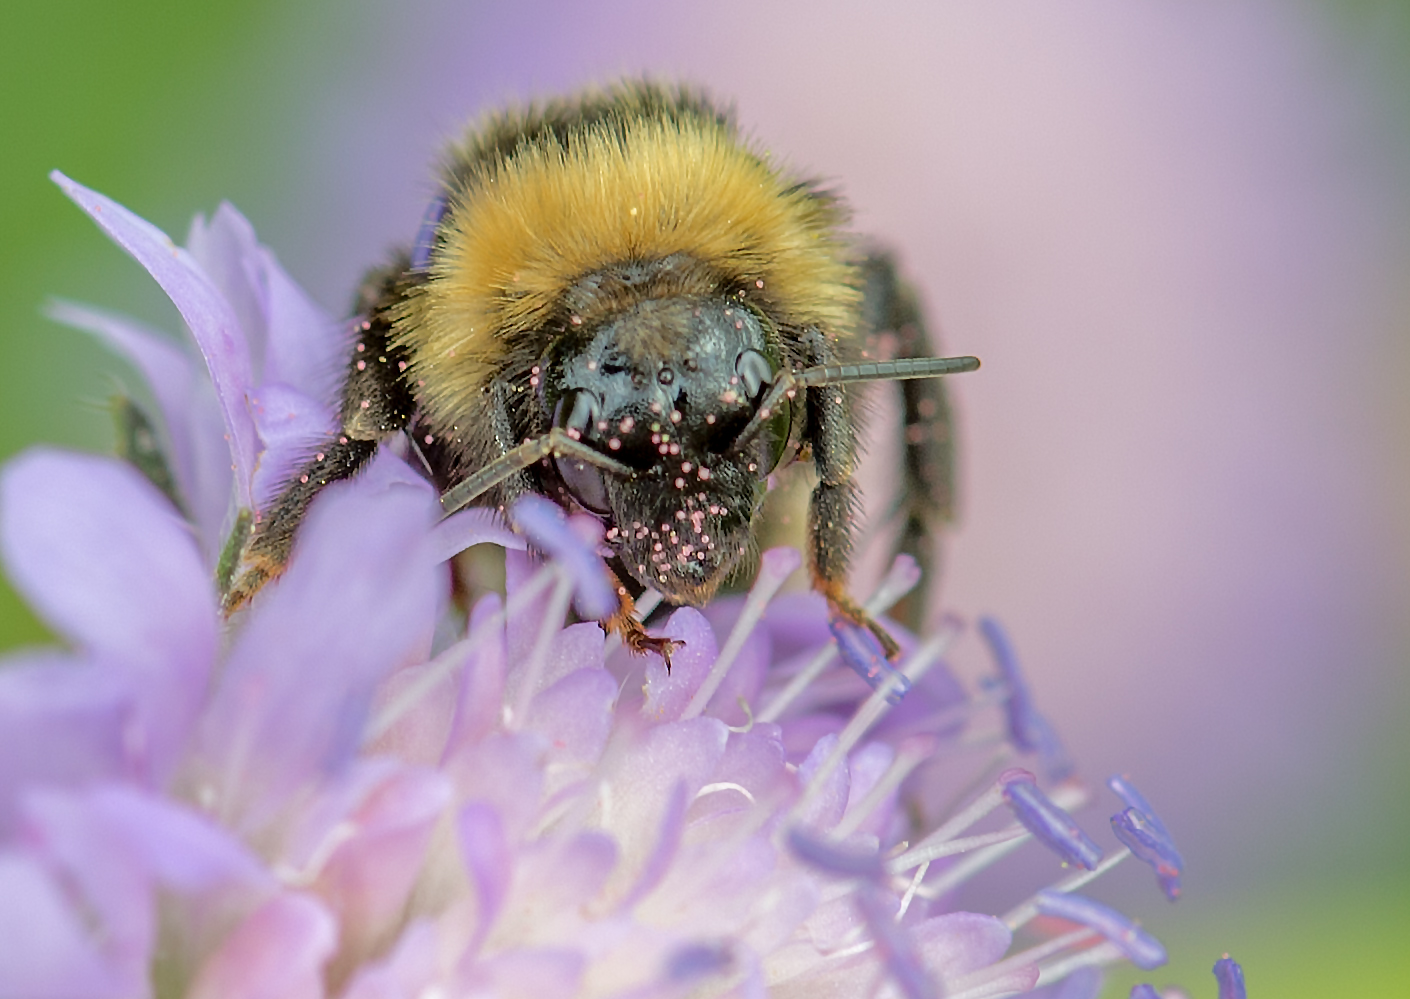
665,387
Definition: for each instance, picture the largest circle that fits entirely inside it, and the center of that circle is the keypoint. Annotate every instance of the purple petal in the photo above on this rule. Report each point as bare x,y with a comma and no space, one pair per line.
667,694
831,858
1230,977
62,721
574,716
1051,825
664,852
476,525
547,528
291,426
105,559
1148,843
277,953
488,860
370,874
829,803
306,346
1142,949
642,783
861,651
189,411
176,847
409,970
47,949
358,600
482,678
894,945
226,250
210,317
961,943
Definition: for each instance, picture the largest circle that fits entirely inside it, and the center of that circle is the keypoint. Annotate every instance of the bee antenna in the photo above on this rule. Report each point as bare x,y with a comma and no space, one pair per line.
556,443
900,369
787,384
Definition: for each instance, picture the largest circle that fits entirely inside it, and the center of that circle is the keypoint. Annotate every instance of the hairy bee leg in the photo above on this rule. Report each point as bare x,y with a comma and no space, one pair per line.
624,624
832,510
927,490
375,405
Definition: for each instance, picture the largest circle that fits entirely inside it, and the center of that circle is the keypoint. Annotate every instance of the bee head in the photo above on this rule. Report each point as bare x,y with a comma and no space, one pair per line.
665,387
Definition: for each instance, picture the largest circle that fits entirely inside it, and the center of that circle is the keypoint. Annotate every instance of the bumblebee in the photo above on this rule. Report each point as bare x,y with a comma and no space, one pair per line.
618,302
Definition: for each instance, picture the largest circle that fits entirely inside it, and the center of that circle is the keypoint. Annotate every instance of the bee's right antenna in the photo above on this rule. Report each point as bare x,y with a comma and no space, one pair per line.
788,383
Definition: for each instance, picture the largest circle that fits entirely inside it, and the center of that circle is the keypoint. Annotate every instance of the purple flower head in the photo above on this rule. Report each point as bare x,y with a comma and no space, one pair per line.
355,788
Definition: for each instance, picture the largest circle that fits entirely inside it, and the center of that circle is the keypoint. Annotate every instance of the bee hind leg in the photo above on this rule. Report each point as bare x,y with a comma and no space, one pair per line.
926,500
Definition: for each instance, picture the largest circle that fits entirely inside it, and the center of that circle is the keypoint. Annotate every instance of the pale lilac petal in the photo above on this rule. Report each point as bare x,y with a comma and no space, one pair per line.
210,317
667,694
574,716
408,971
226,250
526,974
488,860
46,951
482,676
563,878
642,784
62,721
356,603
961,943
668,840
370,874
503,771
476,525
101,554
189,411
291,426
306,346
277,953
576,647
175,846
894,946
829,802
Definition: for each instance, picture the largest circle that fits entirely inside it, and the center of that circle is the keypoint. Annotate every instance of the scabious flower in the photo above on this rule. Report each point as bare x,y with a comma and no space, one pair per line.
354,789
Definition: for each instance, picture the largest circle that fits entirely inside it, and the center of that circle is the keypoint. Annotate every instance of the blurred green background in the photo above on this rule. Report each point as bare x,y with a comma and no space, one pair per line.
172,107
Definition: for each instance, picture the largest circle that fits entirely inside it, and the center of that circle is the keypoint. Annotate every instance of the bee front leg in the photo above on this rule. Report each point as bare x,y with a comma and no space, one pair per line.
376,403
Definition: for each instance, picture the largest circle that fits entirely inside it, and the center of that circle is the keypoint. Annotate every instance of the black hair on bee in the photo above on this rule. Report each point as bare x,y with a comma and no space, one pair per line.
618,302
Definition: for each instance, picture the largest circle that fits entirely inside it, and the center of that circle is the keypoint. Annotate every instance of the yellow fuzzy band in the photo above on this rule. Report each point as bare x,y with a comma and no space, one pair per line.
525,226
